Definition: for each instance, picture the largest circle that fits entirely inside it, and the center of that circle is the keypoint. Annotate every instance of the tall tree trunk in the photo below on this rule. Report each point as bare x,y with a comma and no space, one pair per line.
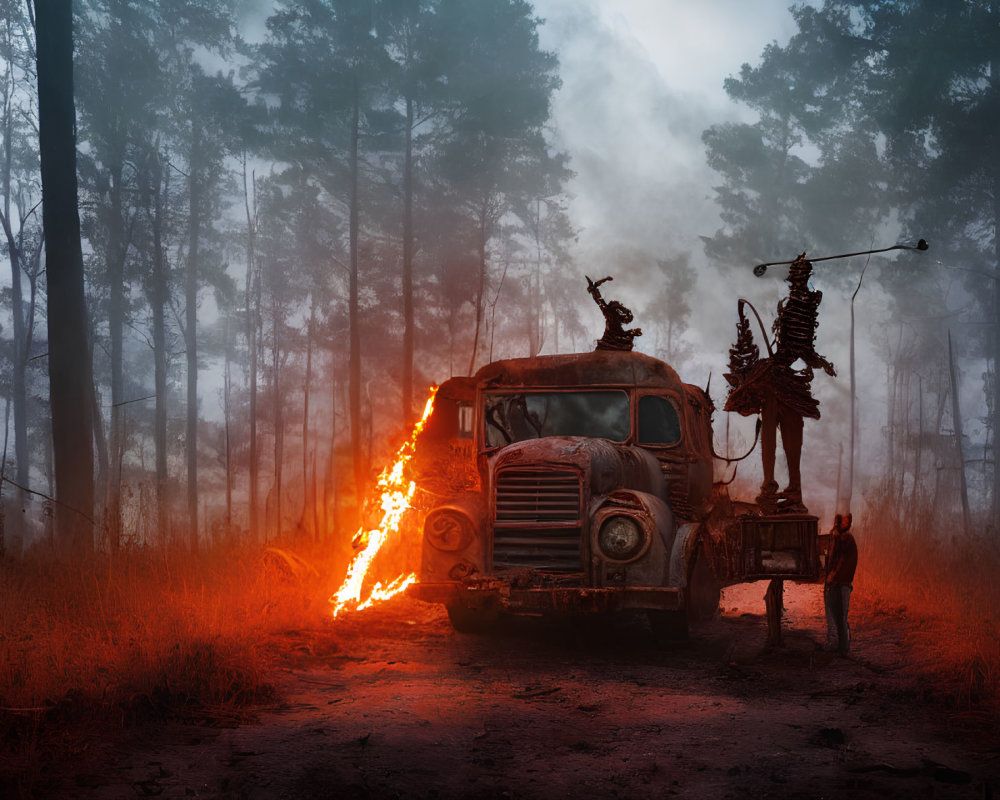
100,439
159,299
915,506
408,332
481,290
535,324
227,402
70,373
996,320
849,488
903,438
317,535
305,399
330,478
996,364
956,413
277,415
840,472
191,332
354,367
995,86
116,314
15,529
252,306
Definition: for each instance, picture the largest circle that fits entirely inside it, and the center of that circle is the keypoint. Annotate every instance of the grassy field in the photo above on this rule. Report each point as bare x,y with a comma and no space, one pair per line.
948,589
155,633
150,634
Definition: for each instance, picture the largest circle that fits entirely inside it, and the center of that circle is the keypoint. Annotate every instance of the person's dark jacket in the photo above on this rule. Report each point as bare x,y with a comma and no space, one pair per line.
843,559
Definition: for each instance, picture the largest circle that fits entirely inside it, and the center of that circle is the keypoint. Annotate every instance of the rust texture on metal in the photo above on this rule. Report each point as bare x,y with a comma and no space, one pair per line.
575,370
539,599
444,463
584,482
686,466
616,317
781,546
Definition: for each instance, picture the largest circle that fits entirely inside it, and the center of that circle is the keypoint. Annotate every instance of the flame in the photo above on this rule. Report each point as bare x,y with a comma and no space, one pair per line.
397,493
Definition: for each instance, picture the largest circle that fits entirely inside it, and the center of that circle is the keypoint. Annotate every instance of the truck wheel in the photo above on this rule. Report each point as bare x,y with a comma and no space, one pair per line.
668,626
703,592
469,619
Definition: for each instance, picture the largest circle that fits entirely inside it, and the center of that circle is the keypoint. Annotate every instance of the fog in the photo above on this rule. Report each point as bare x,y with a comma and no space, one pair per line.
340,271
642,81
365,371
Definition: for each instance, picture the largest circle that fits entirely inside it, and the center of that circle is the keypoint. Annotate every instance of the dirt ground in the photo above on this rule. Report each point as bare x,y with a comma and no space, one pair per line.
391,702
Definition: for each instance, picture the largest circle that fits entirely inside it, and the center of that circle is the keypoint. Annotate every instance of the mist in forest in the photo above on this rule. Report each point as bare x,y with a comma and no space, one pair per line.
297,218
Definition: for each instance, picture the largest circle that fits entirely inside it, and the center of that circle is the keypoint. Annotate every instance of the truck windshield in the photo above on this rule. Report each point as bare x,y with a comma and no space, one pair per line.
531,415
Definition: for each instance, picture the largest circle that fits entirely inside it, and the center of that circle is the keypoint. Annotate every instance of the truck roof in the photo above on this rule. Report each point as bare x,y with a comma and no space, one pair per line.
598,368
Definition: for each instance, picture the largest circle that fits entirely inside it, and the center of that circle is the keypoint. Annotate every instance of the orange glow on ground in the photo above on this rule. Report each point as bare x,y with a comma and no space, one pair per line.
397,492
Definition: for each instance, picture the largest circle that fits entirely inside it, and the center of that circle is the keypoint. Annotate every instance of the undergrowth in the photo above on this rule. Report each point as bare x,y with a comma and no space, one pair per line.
150,633
945,586
155,633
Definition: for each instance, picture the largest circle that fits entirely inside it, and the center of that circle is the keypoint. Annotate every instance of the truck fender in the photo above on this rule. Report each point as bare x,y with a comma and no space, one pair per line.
684,542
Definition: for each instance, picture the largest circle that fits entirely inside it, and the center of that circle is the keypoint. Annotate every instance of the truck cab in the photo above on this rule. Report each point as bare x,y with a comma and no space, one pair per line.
583,483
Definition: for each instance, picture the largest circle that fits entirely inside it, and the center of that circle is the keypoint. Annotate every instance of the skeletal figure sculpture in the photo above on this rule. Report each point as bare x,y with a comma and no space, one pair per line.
775,388
616,317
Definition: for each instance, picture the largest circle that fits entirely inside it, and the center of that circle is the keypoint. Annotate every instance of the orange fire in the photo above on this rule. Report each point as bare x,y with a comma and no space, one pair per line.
397,492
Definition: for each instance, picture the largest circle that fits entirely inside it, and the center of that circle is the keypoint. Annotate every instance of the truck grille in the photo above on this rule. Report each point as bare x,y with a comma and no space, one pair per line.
538,520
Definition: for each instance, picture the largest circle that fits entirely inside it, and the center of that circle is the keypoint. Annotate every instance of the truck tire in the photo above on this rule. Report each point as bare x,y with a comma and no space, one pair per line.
703,590
472,619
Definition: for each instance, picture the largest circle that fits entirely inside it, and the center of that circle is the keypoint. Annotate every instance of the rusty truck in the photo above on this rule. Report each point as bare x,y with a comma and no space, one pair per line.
584,483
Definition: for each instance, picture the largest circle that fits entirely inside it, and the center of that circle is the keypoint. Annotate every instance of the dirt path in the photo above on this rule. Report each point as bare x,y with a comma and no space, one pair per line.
393,703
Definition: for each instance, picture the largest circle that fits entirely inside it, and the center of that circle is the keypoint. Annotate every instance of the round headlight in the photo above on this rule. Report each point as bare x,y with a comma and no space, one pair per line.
621,538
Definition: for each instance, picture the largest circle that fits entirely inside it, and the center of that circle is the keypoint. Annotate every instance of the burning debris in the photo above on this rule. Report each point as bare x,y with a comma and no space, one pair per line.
396,495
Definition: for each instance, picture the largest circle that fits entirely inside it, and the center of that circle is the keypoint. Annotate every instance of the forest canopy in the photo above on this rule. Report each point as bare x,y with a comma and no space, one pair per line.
287,237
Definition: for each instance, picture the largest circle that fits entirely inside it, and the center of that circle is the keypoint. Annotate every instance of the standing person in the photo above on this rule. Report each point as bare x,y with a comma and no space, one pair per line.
840,568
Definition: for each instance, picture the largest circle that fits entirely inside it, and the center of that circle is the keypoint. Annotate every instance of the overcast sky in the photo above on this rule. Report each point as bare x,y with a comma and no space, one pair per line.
642,79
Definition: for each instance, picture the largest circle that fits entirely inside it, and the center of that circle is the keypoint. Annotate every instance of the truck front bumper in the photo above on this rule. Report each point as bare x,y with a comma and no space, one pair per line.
504,597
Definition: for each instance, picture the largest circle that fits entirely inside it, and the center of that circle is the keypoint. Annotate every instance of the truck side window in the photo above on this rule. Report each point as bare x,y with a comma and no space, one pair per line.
465,420
658,421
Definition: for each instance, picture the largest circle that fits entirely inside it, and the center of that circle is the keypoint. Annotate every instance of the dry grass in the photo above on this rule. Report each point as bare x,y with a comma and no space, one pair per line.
149,634
947,589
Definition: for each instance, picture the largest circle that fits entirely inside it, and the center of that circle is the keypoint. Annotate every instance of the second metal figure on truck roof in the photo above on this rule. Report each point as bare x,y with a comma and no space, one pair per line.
616,317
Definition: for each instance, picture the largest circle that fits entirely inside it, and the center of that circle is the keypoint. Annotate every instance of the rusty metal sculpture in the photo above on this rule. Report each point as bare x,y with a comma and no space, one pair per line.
776,388
616,317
